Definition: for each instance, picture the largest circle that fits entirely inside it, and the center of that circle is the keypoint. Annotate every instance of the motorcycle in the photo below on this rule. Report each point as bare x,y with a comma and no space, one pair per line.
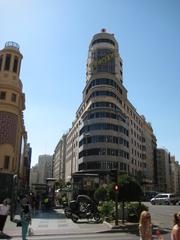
82,208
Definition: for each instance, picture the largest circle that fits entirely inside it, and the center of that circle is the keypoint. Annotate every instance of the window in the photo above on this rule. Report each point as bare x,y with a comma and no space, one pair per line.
6,162
7,62
15,64
13,97
2,95
103,40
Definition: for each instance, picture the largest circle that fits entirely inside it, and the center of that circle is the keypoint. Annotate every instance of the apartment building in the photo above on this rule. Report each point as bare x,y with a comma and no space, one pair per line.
44,168
59,157
174,176
163,170
108,132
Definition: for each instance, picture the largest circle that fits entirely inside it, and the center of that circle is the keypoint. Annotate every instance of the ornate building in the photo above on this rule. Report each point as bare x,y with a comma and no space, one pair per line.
13,136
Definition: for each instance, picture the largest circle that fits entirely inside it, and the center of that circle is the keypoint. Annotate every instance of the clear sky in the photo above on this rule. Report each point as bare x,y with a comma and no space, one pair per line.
54,37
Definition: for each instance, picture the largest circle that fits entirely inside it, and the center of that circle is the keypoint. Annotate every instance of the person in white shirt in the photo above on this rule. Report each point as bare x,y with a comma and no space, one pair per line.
4,211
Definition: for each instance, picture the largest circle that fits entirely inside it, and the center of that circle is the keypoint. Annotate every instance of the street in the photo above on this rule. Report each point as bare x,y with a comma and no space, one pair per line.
162,215
54,225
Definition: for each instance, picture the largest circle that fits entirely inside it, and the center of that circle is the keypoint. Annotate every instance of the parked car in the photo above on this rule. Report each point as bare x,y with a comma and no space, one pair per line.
165,198
148,195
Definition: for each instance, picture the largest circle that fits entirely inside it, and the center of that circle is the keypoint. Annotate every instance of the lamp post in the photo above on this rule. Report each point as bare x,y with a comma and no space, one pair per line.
116,192
13,197
116,188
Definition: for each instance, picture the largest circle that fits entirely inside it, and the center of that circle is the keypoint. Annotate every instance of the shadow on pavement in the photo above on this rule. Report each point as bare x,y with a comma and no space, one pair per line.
87,222
5,236
48,214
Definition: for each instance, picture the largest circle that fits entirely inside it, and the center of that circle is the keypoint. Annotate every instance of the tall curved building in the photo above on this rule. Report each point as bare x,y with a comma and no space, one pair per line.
103,137
108,133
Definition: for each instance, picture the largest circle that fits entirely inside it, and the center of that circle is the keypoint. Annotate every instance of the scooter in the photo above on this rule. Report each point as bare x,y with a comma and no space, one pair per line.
82,210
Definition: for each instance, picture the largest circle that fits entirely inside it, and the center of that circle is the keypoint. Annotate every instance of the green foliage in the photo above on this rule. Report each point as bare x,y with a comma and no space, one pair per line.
100,194
106,209
134,210
129,189
59,184
110,192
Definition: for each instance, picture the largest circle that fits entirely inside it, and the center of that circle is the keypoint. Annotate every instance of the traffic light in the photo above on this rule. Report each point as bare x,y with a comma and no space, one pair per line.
116,187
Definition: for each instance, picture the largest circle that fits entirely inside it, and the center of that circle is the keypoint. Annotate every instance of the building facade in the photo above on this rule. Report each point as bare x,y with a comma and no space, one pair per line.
174,176
13,136
108,133
44,168
163,170
59,157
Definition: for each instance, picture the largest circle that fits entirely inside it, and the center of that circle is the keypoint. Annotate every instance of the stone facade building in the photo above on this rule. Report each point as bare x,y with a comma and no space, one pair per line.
13,136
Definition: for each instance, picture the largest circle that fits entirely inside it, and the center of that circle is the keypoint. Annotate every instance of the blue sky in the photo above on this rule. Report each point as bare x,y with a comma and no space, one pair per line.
54,37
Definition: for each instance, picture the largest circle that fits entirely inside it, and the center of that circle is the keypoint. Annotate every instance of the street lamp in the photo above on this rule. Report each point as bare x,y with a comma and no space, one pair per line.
116,188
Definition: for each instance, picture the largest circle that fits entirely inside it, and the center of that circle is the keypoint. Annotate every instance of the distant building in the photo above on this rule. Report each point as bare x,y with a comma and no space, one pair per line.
174,176
44,168
59,158
163,170
34,175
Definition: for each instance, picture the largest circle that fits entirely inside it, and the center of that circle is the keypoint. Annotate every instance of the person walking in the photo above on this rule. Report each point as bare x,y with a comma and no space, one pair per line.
4,211
145,226
25,217
175,233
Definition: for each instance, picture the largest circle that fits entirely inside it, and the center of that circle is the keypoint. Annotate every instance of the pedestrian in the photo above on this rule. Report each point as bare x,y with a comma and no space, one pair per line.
175,233
46,203
25,217
145,226
4,211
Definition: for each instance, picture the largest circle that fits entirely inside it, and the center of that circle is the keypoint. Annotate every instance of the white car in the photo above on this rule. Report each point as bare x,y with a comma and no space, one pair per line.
164,198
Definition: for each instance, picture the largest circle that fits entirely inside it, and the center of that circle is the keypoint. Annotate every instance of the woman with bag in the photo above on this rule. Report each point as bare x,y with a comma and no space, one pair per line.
25,217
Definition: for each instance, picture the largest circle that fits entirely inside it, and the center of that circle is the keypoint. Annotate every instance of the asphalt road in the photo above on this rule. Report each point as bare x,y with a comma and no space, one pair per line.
162,215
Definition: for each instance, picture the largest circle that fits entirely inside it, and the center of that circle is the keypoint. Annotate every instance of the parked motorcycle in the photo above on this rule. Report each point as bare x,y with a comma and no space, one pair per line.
82,208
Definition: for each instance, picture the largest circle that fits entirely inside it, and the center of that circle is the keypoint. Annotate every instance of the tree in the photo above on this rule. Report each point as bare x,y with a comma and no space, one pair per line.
59,184
100,194
129,189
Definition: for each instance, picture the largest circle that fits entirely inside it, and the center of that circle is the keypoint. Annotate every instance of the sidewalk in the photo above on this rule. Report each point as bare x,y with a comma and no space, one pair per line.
54,223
